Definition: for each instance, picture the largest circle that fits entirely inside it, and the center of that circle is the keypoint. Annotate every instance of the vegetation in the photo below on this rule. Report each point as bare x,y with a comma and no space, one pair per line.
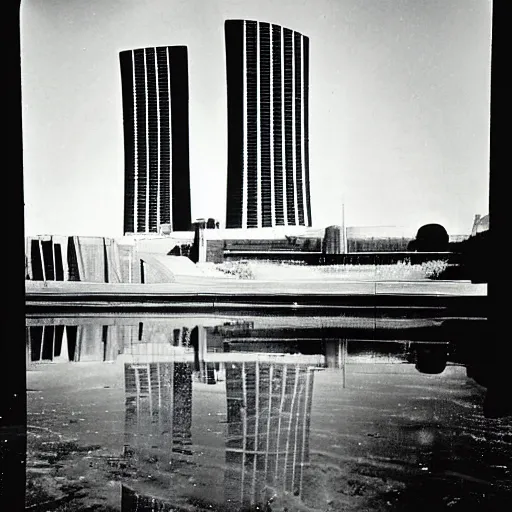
434,269
239,269
293,270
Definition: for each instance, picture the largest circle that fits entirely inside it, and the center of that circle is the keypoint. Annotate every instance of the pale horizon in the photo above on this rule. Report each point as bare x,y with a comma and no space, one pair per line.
399,107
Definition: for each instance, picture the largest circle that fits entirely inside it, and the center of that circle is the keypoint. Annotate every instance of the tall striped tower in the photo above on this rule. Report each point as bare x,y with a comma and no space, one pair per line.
268,126
156,139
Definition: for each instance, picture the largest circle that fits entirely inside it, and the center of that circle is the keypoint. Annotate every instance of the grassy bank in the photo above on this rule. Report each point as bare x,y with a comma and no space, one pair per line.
288,271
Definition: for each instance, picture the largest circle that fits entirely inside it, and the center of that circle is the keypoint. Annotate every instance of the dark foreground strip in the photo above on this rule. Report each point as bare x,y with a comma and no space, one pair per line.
354,306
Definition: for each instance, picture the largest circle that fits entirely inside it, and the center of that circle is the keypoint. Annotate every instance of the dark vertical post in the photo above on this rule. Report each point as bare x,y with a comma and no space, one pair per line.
36,340
59,334
53,258
37,262
47,252
59,267
72,335
104,339
142,273
105,260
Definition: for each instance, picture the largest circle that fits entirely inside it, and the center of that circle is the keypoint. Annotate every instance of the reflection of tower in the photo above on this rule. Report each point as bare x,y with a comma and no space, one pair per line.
132,501
158,405
269,406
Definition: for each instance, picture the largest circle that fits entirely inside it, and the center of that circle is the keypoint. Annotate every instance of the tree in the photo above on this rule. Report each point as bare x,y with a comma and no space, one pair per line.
430,238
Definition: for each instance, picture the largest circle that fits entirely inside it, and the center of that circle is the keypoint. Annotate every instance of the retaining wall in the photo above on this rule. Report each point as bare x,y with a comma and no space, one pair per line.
77,258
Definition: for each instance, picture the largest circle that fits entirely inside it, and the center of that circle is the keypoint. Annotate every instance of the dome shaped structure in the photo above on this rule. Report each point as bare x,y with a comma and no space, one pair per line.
431,238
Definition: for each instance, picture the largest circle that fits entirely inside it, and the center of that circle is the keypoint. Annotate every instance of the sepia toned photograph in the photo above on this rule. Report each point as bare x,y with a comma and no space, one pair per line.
257,263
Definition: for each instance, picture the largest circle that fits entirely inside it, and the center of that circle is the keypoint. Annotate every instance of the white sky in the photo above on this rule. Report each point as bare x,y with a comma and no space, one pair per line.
399,106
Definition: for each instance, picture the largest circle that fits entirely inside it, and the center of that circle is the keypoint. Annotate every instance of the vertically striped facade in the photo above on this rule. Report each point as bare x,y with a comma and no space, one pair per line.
268,429
158,408
268,126
156,139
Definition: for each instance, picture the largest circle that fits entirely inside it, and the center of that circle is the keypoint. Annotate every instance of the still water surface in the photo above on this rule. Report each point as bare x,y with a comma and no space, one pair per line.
266,414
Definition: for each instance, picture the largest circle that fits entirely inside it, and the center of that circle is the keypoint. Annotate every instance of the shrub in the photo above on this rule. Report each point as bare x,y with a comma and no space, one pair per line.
434,269
239,269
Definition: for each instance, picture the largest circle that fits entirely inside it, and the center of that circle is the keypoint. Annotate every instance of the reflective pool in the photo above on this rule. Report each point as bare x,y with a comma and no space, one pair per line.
176,413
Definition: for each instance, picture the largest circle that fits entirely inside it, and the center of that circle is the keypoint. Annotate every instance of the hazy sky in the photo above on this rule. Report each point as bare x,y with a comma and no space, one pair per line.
399,106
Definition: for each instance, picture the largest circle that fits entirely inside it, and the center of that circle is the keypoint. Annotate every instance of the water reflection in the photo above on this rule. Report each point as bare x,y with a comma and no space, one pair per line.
201,346
158,405
248,417
269,407
267,398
